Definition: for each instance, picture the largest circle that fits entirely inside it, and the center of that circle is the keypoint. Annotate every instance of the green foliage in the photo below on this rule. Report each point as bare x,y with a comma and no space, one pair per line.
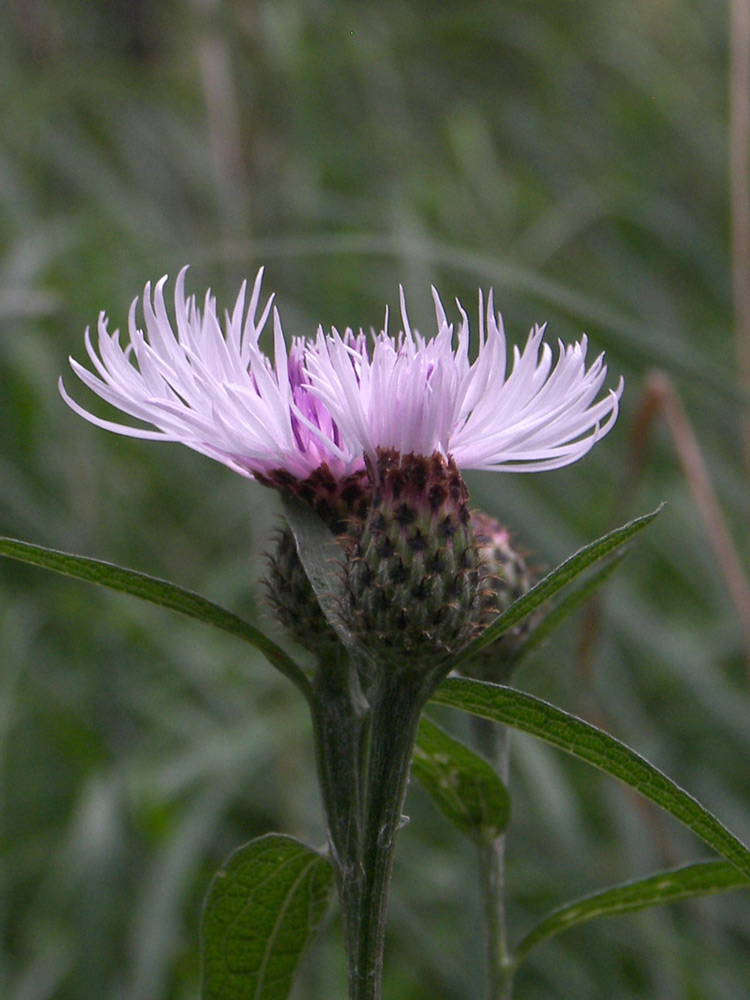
148,588
532,715
571,156
262,908
266,903
554,582
702,879
567,607
461,783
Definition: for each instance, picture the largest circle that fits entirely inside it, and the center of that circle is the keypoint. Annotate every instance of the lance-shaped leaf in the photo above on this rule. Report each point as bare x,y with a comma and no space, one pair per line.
579,738
554,582
568,606
262,909
461,783
702,879
150,588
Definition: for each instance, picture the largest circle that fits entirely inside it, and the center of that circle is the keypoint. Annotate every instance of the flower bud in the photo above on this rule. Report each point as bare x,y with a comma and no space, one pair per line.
504,577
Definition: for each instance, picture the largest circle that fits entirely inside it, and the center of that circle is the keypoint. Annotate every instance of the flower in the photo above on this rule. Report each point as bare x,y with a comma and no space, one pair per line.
424,396
372,432
336,401
214,391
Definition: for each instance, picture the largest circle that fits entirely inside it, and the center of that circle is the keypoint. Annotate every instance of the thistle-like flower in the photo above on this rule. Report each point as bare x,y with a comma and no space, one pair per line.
335,400
367,429
212,390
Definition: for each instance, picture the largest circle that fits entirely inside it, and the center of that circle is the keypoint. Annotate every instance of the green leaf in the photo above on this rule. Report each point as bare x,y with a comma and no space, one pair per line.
568,606
582,740
262,909
462,784
322,557
150,588
701,879
551,584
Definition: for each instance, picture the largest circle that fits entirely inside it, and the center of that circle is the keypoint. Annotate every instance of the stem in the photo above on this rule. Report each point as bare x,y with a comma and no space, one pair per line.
340,728
397,707
363,764
493,742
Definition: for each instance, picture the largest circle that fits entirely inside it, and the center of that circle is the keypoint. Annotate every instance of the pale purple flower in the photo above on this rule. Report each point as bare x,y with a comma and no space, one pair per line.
338,399
214,391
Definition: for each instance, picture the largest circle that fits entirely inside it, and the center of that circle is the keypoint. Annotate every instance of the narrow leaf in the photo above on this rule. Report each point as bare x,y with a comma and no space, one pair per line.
322,557
262,909
582,740
461,783
568,606
150,588
702,879
551,584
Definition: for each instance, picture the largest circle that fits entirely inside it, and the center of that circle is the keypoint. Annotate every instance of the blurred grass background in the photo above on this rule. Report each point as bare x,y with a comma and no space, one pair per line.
574,156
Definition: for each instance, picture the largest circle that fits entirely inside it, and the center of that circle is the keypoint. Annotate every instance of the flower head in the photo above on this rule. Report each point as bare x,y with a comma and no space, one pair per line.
372,431
335,401
214,390
424,396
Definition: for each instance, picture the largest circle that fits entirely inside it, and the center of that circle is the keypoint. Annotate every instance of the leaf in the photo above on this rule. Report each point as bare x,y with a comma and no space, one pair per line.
150,588
568,606
462,784
582,740
551,584
701,879
322,557
262,909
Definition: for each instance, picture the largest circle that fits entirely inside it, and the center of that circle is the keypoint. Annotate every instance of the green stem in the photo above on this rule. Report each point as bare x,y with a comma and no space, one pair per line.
363,763
493,741
341,729
396,710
